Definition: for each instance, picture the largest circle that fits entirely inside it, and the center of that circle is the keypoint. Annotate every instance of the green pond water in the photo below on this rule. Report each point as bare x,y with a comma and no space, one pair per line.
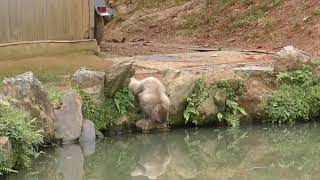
252,152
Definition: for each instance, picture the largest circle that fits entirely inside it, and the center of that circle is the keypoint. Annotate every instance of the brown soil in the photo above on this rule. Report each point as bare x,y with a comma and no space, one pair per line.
292,22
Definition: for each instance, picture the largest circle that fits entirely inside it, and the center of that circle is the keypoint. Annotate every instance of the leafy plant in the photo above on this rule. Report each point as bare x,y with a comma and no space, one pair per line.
124,100
199,94
23,134
233,110
302,77
287,105
297,99
91,111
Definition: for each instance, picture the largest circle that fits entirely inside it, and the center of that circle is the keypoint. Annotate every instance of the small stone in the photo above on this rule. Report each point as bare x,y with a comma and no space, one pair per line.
88,132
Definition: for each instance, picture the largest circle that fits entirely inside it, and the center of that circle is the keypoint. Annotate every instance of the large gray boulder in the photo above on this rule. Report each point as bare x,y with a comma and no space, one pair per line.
91,82
5,145
290,58
69,118
117,77
179,85
27,92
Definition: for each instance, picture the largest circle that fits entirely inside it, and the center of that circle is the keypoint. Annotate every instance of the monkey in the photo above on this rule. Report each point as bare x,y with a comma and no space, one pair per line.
152,98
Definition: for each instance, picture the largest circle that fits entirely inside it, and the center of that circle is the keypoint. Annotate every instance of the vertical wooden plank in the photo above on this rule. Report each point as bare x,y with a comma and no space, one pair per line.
4,19
26,20
57,19
91,14
85,19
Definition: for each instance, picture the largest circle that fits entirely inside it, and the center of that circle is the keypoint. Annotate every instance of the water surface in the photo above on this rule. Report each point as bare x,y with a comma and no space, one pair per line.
254,152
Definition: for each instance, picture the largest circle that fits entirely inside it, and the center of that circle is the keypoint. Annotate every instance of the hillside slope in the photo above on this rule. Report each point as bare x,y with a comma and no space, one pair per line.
265,24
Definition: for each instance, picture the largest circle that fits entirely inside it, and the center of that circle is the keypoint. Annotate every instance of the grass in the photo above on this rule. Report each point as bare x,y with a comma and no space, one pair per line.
54,94
256,13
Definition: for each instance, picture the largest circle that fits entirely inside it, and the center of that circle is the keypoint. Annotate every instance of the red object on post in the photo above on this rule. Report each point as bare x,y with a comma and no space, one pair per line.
102,9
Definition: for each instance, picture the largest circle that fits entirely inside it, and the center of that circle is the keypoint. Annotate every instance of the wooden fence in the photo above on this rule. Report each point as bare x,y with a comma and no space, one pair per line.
34,20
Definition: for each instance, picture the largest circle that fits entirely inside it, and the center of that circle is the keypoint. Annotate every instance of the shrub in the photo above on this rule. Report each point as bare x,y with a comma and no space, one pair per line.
297,99
302,77
23,134
288,105
201,91
233,110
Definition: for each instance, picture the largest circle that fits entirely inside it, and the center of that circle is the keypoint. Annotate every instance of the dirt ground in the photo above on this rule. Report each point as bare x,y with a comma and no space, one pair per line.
254,24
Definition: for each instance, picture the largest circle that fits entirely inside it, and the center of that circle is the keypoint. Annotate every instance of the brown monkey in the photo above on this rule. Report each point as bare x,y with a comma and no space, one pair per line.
152,98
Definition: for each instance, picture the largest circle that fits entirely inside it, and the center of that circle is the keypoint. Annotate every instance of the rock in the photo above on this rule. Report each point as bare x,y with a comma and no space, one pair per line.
215,103
179,85
148,125
5,145
69,118
91,82
258,89
70,162
290,58
117,77
28,93
88,132
99,135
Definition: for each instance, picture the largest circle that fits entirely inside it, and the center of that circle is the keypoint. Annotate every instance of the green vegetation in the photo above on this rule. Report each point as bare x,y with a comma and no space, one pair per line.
233,111
200,93
104,117
297,99
256,13
54,94
302,77
124,100
194,21
23,134
48,77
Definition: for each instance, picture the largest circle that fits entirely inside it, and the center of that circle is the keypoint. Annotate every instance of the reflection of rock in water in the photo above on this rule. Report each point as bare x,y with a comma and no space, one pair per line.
70,162
88,147
154,158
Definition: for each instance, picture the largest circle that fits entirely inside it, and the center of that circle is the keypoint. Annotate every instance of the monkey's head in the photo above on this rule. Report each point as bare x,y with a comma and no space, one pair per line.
135,86
159,114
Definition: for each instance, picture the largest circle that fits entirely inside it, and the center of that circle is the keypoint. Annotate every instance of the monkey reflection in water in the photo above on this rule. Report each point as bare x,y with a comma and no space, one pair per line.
154,158
152,98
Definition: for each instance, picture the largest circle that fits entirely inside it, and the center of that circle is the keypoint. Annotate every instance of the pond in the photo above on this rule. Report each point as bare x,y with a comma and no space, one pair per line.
251,152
